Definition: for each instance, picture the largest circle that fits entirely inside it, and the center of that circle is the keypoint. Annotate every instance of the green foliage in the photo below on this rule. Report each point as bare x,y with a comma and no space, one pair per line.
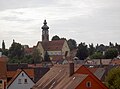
3,45
63,38
113,79
13,60
101,48
111,53
4,50
36,56
17,55
55,37
16,51
72,44
91,49
97,55
118,47
82,52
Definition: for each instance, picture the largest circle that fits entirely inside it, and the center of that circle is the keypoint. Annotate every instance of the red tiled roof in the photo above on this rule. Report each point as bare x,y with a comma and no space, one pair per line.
30,72
84,70
29,50
3,68
13,78
56,57
17,73
58,78
10,73
55,45
58,74
116,61
93,69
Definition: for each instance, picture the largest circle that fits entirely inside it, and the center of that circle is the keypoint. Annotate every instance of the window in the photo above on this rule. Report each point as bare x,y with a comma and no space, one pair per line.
0,81
88,84
19,81
22,74
25,81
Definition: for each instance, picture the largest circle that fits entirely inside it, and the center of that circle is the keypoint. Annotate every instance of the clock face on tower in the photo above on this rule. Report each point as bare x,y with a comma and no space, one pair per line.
43,32
46,32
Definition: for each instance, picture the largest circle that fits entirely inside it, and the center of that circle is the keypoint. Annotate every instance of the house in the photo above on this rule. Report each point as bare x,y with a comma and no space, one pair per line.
28,51
21,80
3,71
104,62
35,72
56,49
100,73
11,74
115,62
64,77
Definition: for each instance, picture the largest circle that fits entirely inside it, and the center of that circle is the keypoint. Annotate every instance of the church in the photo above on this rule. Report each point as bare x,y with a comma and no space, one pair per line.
57,49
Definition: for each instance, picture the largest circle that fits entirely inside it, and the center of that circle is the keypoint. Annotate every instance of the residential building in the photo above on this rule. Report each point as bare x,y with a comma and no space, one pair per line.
35,72
56,49
64,77
3,71
21,80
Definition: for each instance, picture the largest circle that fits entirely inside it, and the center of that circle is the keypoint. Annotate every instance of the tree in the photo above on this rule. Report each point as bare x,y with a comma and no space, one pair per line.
100,48
16,51
3,45
72,44
63,38
111,44
4,50
36,56
55,37
113,78
97,55
111,53
91,49
27,59
82,52
118,47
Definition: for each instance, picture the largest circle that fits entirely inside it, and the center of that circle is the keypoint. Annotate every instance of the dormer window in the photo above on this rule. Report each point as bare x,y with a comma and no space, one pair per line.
88,84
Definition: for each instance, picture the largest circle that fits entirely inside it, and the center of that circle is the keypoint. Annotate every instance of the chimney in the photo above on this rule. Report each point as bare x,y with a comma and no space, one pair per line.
71,69
101,62
0,54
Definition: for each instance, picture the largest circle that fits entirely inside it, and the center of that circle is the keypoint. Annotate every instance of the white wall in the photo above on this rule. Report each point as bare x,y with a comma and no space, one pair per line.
54,53
23,85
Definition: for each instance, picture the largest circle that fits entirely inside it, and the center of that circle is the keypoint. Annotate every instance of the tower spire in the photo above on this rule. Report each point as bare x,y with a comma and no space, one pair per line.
45,22
45,31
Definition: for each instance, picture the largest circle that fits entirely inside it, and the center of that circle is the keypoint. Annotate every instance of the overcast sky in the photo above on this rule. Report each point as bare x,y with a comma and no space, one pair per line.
90,21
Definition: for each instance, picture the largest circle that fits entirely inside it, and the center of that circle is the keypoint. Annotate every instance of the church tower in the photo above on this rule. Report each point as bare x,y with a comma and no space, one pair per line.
45,32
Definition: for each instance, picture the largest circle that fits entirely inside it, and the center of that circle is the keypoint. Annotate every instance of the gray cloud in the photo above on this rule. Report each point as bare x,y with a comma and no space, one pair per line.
14,4
14,18
91,21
